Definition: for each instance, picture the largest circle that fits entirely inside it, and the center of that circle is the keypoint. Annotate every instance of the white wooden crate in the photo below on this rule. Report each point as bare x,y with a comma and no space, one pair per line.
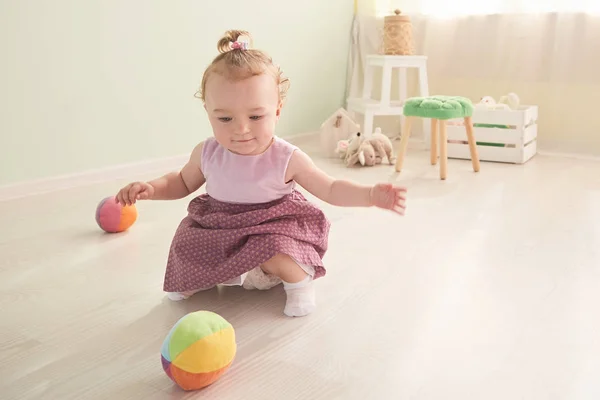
515,142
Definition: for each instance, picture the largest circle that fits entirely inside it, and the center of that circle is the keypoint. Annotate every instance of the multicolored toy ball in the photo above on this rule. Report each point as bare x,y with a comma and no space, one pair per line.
112,217
198,350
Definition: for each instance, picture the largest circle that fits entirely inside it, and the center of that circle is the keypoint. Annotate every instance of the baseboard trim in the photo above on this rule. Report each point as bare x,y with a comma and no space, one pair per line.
587,157
90,177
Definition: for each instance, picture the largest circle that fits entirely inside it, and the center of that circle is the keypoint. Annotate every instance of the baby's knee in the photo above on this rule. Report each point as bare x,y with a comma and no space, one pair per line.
286,268
274,265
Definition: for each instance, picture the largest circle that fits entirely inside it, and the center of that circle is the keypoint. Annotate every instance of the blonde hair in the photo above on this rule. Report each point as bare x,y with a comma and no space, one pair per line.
239,62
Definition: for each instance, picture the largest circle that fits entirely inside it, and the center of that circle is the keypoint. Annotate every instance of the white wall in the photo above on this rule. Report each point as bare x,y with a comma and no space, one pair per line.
87,84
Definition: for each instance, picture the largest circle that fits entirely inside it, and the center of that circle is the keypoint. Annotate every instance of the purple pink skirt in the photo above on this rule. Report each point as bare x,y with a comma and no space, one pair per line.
217,242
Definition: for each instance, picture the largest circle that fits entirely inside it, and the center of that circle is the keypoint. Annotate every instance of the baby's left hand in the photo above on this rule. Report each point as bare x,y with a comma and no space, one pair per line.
389,197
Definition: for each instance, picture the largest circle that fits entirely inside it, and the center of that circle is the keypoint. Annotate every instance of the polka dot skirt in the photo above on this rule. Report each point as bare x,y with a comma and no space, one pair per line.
218,241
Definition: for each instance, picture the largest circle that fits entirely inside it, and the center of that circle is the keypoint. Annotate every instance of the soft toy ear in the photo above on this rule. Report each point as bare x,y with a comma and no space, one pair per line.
511,100
361,158
378,146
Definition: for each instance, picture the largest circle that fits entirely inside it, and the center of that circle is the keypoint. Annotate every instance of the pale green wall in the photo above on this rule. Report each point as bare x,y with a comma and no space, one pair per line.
87,84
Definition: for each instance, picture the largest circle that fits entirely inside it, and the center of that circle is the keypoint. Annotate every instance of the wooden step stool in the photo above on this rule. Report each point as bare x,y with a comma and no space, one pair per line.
369,107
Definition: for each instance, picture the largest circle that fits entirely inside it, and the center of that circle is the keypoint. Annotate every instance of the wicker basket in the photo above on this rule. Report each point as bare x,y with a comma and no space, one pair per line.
397,35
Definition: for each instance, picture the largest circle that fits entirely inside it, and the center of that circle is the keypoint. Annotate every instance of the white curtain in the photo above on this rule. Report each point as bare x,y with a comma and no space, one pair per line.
551,59
443,8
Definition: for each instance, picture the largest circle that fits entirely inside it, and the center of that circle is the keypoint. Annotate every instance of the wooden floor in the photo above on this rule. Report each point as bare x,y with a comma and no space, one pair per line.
488,289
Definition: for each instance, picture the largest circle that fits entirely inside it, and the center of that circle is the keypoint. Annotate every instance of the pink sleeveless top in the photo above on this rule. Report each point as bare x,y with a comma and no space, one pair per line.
235,178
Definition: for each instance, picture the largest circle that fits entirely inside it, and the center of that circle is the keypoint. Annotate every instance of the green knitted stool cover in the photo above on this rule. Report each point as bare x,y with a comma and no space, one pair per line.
438,107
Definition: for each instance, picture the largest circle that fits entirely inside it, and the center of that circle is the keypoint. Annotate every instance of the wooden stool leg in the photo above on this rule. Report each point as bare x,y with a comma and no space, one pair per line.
472,144
403,143
434,141
443,150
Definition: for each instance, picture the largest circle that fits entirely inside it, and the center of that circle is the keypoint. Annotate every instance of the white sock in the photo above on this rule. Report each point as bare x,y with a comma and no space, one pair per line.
178,296
300,298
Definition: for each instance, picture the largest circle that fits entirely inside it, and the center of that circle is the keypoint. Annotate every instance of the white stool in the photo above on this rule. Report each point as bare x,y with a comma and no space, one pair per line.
369,107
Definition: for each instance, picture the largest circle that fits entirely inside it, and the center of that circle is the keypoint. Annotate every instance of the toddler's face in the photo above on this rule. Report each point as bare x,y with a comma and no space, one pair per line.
243,113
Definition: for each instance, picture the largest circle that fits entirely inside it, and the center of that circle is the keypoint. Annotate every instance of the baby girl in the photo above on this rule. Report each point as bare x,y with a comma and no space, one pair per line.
252,227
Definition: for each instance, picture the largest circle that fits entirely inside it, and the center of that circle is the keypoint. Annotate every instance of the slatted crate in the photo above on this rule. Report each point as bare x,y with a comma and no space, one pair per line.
508,136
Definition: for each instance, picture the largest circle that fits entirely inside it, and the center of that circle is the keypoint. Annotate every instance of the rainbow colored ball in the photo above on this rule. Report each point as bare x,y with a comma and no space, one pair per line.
112,217
198,350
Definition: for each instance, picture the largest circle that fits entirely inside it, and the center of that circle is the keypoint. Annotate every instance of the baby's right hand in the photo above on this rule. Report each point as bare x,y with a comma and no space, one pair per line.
135,191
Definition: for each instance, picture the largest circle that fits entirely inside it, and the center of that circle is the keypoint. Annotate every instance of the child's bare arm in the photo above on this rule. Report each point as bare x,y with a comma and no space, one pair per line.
333,191
177,185
341,192
172,186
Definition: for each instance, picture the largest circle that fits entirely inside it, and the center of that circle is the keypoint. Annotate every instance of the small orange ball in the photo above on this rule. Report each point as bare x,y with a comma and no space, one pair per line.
112,217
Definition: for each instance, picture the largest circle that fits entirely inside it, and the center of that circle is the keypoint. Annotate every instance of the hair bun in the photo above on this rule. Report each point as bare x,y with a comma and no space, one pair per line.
224,44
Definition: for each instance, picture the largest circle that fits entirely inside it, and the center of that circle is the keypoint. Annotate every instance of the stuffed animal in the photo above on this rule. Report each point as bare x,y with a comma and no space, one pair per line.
353,149
369,151
365,155
511,99
488,103
349,149
353,144
383,146
508,102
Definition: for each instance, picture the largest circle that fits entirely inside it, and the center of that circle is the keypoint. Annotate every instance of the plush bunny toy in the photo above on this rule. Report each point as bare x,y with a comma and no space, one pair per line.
368,151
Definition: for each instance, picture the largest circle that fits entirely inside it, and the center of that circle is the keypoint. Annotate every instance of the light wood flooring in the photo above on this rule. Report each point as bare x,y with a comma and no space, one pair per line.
487,289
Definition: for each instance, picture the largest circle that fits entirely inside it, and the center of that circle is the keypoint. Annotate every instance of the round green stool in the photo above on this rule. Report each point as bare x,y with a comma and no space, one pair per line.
438,109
